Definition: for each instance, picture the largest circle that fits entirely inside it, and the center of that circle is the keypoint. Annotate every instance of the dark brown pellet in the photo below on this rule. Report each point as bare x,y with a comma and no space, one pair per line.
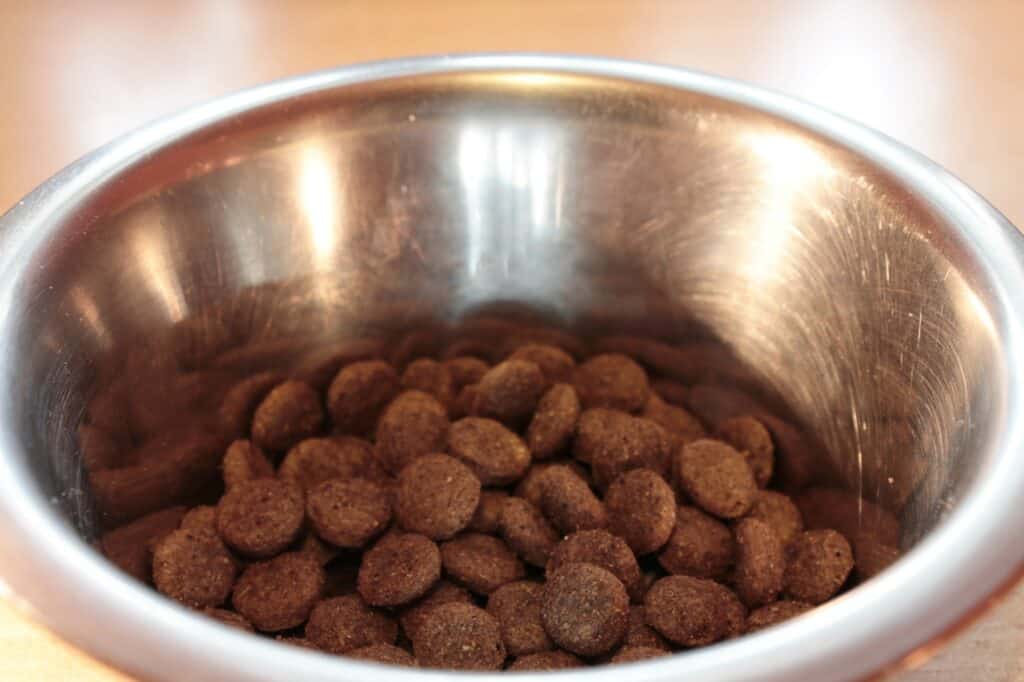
750,437
700,546
203,516
129,547
516,607
398,569
545,660
686,610
760,563
316,460
437,496
779,512
872,557
734,613
465,370
554,423
240,402
600,548
640,634
431,377
458,636
774,613
342,624
244,462
260,518
348,513
681,426
526,531
481,562
358,395
529,487
613,442
641,510
568,501
488,512
279,594
631,654
384,653
494,453
613,381
414,424
554,363
290,413
509,392
717,478
819,564
585,609
194,567
443,592
463,405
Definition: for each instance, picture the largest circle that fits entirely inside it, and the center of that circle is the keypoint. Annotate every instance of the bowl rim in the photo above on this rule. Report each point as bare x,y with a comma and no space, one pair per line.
923,596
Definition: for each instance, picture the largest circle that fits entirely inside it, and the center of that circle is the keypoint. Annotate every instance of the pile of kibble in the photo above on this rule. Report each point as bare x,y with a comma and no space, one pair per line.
533,508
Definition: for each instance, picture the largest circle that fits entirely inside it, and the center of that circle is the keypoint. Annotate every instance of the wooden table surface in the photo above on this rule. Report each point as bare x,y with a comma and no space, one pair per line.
944,76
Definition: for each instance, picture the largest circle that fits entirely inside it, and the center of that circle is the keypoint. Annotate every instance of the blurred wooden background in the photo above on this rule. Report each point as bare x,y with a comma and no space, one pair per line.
944,76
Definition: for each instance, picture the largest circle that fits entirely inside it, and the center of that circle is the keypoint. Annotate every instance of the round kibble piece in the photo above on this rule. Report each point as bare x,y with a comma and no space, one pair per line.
398,569
749,436
640,634
342,624
631,654
495,454
316,460
554,422
585,609
278,594
614,442
700,546
348,512
681,426
554,363
318,549
481,562
384,653
600,548
203,516
529,487
242,462
526,531
779,512
230,618
290,413
776,612
359,393
443,592
760,563
459,636
516,606
466,370
414,424
717,478
641,510
241,401
194,567
429,376
819,564
437,496
568,501
612,380
488,511
509,392
545,660
260,518
734,613
686,610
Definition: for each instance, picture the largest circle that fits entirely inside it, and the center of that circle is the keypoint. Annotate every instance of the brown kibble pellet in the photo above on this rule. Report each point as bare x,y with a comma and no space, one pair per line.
203,516
494,453
631,654
554,422
640,634
672,392
279,594
488,512
819,564
613,381
717,478
641,510
316,460
458,636
529,487
242,399
318,549
516,607
585,609
319,367
750,437
230,618
545,660
526,531
779,512
509,392
348,513
774,613
600,548
290,413
358,395
431,377
465,370
872,557
568,501
734,613
129,547
613,442
384,653
686,610
401,567
700,546
554,363
437,496
481,562
760,563
443,592
244,462
342,624
260,518
681,426
414,424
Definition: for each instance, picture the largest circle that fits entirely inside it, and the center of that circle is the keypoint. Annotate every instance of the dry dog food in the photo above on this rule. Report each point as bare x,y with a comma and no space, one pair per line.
497,497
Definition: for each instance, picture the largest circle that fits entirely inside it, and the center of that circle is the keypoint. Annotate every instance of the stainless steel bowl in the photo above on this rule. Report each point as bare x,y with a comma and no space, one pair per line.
861,283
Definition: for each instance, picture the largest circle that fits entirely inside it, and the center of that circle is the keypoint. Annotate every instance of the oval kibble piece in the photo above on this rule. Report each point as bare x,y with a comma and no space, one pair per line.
401,567
342,624
749,436
600,548
700,546
526,531
779,512
278,594
431,377
414,424
465,370
242,462
359,393
585,609
568,501
348,512
481,562
509,392
193,567
260,518
717,478
554,363
613,381
290,413
488,512
129,547
443,592
681,426
384,653
760,563
529,487
554,423
631,654
819,564
686,610
316,460
242,399
494,453
229,618
545,660
516,607
437,496
318,549
871,557
734,613
459,636
203,516
640,634
614,442
776,612
641,510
